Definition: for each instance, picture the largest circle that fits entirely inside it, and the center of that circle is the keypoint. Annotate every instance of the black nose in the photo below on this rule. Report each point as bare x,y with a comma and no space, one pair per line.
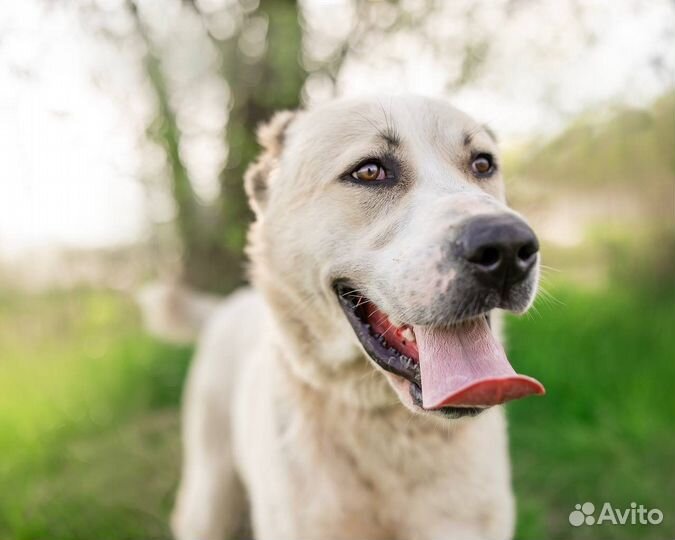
501,249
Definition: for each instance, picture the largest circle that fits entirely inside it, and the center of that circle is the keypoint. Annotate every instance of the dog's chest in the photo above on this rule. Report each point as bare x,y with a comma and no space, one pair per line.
390,472
319,469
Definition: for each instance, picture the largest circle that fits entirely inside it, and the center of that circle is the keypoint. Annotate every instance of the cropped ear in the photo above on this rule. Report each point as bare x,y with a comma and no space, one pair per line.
271,137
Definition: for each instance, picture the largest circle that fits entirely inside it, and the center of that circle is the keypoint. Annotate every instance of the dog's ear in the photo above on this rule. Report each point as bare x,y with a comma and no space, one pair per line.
271,137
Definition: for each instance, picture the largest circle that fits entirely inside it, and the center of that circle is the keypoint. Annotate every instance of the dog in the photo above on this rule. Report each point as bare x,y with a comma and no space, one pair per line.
354,391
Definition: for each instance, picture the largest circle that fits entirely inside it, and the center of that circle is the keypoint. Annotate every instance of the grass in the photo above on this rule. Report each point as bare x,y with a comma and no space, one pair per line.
89,430
88,424
604,432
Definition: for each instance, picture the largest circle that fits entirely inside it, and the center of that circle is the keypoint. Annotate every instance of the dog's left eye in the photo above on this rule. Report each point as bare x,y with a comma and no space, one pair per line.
369,172
483,165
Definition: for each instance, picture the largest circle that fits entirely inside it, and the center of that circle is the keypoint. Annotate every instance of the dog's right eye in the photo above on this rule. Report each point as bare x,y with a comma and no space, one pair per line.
369,172
483,165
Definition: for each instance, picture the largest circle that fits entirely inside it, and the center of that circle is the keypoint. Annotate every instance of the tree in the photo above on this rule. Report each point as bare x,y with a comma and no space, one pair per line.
261,63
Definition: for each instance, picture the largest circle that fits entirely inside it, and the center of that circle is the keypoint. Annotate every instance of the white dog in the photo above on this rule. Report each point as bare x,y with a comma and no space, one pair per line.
353,394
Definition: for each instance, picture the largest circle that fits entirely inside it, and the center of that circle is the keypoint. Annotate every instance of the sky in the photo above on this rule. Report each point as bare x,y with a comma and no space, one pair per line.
67,157
70,156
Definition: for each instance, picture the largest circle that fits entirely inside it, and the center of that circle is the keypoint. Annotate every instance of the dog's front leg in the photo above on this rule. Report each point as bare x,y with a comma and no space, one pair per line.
210,504
494,523
211,501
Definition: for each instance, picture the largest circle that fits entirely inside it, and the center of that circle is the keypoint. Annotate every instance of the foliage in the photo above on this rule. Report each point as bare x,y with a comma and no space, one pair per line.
624,145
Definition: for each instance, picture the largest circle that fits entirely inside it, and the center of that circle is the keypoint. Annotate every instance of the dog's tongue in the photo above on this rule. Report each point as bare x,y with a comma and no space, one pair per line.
466,366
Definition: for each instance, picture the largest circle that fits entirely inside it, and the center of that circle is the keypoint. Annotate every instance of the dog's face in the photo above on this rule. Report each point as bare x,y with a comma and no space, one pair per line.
383,223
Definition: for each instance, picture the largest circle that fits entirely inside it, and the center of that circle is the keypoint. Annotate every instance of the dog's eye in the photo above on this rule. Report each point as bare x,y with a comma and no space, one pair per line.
483,165
369,172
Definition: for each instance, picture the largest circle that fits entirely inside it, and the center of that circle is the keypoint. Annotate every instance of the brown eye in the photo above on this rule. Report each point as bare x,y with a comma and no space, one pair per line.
368,172
482,165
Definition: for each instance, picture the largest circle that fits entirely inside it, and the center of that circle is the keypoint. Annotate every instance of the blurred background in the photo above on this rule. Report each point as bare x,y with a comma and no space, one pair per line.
125,128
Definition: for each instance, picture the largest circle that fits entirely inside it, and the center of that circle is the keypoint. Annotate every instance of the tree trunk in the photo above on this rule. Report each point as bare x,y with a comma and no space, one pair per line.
213,238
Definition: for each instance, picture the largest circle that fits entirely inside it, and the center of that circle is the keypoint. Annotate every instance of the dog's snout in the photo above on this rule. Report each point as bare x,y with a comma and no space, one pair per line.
501,250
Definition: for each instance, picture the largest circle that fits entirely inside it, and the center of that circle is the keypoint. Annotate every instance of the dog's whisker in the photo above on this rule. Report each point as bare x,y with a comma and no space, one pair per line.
549,297
551,268
361,302
352,291
391,325
534,311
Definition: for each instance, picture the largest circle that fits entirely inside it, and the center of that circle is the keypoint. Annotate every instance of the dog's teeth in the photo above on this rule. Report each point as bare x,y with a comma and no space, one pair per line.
408,335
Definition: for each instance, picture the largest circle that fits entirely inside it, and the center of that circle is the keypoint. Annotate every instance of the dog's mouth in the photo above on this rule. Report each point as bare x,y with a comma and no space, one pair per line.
457,370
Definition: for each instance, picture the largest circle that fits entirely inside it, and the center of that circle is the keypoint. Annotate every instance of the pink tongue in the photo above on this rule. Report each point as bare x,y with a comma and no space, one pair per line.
466,366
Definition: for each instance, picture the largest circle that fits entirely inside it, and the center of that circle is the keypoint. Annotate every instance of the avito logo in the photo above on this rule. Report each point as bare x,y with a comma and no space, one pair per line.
584,514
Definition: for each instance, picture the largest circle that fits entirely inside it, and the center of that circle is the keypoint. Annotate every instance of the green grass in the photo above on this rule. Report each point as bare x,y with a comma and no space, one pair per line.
604,432
88,423
89,430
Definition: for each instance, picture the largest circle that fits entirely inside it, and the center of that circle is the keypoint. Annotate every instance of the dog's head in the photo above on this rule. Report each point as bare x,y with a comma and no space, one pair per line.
382,226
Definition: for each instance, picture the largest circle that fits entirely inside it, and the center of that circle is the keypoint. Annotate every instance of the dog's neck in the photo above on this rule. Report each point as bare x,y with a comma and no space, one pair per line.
323,355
